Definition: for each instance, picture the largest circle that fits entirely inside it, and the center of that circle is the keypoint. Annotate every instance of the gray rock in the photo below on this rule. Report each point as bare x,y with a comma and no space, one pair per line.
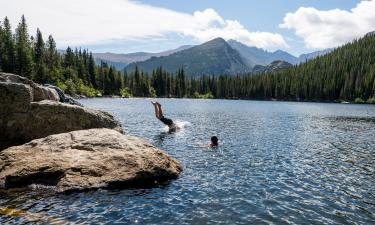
50,117
29,111
44,93
64,97
15,97
39,92
86,159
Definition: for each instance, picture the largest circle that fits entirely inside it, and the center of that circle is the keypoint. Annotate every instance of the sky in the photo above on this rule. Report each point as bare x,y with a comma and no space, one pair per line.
123,26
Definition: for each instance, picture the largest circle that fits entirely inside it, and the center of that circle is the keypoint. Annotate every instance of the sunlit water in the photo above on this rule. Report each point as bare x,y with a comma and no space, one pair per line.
278,162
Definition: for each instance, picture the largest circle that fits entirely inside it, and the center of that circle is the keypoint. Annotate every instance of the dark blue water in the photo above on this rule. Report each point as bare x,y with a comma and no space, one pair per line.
278,163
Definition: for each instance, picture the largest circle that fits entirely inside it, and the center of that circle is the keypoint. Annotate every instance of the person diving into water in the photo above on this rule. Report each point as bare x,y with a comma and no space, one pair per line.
159,114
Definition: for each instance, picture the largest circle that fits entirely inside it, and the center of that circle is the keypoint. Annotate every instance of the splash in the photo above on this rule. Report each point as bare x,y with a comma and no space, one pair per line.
180,125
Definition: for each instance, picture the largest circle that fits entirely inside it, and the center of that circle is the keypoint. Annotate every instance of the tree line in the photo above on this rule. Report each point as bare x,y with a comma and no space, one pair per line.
345,74
74,71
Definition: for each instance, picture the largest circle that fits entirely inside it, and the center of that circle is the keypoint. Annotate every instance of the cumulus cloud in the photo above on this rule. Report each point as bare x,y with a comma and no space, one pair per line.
325,29
75,22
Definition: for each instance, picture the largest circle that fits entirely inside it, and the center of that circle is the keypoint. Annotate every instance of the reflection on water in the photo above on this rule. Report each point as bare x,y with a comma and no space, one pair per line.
278,162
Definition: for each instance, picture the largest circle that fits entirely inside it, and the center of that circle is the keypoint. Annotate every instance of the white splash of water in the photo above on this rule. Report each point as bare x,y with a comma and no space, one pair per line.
182,124
179,124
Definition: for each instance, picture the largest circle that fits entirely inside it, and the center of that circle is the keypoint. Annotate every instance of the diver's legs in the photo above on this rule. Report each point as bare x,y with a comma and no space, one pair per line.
157,110
160,111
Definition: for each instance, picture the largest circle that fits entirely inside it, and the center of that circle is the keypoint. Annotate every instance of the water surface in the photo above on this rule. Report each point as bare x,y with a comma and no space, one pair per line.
278,162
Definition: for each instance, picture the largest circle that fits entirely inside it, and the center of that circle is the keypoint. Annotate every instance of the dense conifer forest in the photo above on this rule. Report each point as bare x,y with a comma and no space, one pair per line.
345,74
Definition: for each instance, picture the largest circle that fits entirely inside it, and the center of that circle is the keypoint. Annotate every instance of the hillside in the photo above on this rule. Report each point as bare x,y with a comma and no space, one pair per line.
120,61
303,57
256,56
345,74
211,58
272,67
253,56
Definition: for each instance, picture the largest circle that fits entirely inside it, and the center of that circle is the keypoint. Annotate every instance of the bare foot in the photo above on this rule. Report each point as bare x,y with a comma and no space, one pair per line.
154,103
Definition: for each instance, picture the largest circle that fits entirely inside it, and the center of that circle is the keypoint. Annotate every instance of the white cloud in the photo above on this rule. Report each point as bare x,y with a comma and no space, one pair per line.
76,22
325,29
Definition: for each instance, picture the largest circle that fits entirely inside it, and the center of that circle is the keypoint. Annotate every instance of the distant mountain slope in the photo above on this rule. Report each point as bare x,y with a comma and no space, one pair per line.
249,56
256,56
120,61
273,66
210,58
346,73
302,58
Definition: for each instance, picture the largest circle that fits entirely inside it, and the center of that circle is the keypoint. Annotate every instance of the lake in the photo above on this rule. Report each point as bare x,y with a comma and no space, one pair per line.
278,162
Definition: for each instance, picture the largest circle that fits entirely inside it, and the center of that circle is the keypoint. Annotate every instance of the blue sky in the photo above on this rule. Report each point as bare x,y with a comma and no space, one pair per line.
264,15
124,26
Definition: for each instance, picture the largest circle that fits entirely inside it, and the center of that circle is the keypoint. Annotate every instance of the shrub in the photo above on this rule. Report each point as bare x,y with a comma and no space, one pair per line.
61,85
371,100
88,91
125,92
152,92
359,101
203,96
71,88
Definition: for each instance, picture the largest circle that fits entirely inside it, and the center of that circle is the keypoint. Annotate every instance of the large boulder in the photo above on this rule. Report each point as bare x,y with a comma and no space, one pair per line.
29,111
86,159
50,117
15,97
39,92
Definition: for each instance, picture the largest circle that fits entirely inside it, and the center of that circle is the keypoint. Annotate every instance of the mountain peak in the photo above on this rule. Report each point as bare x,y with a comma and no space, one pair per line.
217,40
370,34
210,58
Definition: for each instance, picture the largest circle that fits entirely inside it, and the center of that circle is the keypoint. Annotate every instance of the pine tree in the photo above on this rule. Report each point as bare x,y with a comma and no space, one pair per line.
137,82
92,71
7,48
40,75
53,61
1,45
24,59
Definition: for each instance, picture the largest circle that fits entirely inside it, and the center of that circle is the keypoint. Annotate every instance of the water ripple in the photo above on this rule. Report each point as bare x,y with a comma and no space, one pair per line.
278,163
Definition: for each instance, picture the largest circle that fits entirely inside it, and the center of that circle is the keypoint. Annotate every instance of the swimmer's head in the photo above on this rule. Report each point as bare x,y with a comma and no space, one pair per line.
214,141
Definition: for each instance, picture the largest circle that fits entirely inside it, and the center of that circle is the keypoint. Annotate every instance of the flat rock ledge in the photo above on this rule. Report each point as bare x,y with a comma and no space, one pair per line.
86,159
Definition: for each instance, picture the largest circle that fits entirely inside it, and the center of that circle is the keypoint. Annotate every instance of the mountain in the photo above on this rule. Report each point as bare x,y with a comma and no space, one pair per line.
211,58
302,58
346,73
120,61
256,56
273,66
369,34
118,65
249,58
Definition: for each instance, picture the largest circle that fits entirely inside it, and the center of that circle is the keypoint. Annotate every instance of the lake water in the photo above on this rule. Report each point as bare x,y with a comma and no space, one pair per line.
278,162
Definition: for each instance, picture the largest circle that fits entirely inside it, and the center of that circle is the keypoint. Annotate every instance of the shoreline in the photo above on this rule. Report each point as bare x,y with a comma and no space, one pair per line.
242,99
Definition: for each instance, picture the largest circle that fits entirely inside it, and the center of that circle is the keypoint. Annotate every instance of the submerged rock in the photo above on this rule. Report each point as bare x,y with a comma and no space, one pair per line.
86,159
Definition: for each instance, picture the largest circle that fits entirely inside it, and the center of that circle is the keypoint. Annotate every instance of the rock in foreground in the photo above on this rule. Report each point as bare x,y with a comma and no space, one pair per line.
86,159
29,111
50,117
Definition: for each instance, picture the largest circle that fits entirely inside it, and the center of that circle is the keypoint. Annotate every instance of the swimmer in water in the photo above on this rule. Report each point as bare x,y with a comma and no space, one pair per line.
214,142
159,114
